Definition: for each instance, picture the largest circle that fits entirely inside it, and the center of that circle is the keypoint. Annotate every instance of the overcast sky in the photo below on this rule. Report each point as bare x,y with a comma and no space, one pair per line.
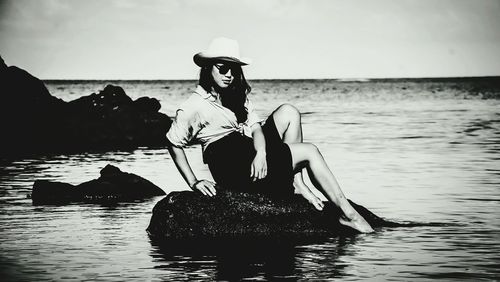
125,39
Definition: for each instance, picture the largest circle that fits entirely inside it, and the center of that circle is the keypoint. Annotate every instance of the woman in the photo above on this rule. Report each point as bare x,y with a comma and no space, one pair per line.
241,153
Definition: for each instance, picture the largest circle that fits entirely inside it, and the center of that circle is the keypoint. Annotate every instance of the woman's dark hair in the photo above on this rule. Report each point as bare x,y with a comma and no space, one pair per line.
234,96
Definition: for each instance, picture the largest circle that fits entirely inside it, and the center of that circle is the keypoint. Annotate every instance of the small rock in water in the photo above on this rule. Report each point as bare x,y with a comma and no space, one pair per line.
112,186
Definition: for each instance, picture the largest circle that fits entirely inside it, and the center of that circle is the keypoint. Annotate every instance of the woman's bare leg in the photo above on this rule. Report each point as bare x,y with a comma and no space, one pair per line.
288,122
308,156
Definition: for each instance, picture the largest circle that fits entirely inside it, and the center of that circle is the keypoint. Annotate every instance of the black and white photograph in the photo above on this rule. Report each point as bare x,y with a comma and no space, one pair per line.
250,140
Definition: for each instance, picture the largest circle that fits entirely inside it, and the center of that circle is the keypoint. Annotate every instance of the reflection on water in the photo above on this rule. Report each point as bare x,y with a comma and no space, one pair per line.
257,259
228,260
407,150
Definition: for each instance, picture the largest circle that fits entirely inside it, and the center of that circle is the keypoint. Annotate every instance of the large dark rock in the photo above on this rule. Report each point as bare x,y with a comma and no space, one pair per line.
233,215
34,121
29,115
112,186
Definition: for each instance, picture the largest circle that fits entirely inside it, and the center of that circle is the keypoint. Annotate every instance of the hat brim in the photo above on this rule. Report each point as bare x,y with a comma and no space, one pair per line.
202,59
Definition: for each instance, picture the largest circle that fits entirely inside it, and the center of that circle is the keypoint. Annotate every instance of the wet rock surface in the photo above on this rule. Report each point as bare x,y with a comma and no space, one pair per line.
231,215
112,186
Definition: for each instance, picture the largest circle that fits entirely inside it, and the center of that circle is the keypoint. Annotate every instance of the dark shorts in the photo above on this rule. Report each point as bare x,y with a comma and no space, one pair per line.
229,160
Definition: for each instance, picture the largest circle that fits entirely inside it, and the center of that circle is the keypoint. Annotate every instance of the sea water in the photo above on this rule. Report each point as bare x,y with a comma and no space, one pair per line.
421,150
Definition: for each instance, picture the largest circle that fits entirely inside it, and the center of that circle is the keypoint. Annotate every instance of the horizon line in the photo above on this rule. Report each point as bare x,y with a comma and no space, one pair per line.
359,79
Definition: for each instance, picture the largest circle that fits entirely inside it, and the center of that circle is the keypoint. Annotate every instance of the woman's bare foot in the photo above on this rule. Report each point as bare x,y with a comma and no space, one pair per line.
306,192
357,222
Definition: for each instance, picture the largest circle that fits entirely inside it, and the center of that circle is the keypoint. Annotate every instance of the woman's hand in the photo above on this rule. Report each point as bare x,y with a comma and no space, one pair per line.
258,170
206,187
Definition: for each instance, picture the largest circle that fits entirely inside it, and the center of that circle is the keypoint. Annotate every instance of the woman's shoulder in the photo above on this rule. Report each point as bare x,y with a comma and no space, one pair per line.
194,101
194,98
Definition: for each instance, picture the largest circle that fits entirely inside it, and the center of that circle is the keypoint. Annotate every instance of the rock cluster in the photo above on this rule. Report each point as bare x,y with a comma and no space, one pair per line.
34,121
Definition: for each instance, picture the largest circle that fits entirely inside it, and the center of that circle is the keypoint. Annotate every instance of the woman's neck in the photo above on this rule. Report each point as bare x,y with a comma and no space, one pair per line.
216,94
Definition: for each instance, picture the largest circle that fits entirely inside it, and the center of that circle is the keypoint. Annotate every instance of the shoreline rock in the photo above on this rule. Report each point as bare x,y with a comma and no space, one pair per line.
112,186
34,121
187,216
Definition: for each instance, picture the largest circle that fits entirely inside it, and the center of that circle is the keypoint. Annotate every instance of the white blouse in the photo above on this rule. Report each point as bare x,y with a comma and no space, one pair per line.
200,120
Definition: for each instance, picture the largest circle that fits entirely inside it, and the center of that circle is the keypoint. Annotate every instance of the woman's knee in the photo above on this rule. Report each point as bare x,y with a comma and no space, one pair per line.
285,116
304,152
313,150
289,111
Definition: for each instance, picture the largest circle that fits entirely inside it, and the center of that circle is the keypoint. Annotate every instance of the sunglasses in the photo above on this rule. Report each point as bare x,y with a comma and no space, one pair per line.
223,69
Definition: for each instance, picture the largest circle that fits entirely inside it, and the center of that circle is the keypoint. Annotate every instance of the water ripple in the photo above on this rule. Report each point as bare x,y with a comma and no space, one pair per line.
424,154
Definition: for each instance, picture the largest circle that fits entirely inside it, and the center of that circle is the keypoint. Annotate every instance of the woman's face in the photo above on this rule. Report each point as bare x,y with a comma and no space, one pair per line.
223,74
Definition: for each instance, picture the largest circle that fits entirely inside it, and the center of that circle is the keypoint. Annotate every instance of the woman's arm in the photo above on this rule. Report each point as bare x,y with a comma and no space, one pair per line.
258,169
206,187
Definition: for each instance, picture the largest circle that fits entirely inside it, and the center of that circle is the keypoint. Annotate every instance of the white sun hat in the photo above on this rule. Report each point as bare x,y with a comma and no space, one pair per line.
221,49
